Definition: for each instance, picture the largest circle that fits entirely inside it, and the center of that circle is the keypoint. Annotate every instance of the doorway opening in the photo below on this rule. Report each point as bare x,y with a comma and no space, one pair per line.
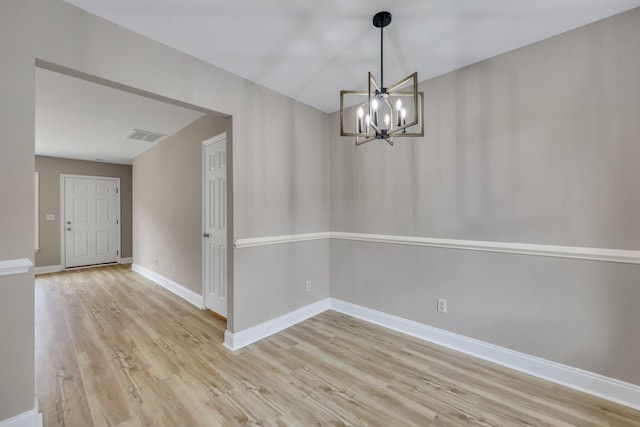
79,247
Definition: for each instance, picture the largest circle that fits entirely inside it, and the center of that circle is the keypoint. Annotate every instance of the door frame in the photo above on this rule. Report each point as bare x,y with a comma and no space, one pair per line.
218,138
63,246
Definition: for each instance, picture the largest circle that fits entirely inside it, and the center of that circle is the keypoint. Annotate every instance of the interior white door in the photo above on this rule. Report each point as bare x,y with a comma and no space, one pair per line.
90,221
215,223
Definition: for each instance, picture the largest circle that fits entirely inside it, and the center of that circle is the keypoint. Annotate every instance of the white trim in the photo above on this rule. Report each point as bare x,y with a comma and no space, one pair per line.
237,340
594,254
127,260
220,137
11,267
27,419
598,385
176,288
276,240
37,211
48,269
578,379
575,252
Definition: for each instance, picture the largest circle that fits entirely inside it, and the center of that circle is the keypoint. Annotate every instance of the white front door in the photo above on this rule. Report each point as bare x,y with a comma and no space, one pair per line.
215,223
90,220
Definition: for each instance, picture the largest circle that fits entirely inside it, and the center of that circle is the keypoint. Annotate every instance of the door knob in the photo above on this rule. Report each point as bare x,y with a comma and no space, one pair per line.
205,235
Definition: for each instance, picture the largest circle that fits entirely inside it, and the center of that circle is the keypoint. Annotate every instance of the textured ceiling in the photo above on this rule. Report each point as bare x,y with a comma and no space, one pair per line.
310,49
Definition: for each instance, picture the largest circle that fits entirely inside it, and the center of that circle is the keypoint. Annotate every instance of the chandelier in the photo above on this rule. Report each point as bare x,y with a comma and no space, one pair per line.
382,112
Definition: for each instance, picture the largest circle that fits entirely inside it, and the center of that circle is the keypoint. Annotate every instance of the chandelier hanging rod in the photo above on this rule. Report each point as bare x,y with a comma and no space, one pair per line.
381,20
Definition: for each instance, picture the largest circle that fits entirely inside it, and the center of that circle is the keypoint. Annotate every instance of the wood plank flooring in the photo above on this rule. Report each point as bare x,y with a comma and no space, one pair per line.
114,349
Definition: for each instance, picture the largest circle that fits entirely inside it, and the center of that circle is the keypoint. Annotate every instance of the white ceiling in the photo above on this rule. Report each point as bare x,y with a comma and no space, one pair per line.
306,49
78,119
311,49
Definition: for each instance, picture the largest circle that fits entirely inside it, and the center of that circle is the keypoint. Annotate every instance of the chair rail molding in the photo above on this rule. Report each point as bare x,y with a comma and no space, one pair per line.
11,267
277,240
575,252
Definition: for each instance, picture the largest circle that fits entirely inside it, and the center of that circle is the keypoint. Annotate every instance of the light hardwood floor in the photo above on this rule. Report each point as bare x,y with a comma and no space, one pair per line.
114,349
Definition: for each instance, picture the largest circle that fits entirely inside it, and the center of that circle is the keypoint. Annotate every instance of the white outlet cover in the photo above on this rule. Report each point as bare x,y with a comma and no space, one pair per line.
442,305
50,217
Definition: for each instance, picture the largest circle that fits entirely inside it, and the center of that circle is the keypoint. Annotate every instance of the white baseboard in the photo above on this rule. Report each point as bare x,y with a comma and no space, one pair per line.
56,268
176,288
598,385
235,341
27,419
48,269
578,379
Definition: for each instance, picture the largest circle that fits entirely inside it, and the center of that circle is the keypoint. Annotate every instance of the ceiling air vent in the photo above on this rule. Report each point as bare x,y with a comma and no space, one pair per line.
144,135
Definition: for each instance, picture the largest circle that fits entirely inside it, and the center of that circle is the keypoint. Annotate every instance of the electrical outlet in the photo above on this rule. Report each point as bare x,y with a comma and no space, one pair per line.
308,286
442,305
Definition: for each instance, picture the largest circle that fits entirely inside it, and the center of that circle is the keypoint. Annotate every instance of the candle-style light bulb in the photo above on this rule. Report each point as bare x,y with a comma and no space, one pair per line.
403,113
360,115
367,120
398,110
386,121
374,106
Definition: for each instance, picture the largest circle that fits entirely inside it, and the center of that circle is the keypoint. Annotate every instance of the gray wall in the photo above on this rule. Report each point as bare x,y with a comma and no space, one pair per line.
281,273
292,197
17,134
558,94
539,145
50,169
271,135
282,188
167,205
